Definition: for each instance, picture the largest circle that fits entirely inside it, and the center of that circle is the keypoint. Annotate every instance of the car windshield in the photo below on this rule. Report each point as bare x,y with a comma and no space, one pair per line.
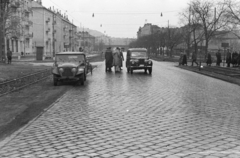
69,58
139,54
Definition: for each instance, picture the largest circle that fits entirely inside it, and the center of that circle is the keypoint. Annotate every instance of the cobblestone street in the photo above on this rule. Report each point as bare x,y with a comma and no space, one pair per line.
172,113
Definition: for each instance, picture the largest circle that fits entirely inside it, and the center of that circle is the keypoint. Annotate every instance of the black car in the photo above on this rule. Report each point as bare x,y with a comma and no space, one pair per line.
70,66
137,58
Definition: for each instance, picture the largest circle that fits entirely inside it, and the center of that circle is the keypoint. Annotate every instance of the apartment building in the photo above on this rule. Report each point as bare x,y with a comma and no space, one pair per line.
86,41
147,29
19,40
53,32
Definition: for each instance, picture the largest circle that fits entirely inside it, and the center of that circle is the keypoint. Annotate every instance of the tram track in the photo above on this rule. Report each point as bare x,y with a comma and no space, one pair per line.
16,84
231,72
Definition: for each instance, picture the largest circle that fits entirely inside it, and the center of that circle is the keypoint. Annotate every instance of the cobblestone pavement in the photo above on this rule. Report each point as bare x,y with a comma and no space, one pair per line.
172,113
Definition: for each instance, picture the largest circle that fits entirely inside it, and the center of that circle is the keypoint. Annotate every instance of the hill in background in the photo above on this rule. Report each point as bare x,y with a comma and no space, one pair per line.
107,39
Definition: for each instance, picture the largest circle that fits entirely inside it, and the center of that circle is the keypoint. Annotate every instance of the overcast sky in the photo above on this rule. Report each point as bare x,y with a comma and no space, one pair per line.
119,18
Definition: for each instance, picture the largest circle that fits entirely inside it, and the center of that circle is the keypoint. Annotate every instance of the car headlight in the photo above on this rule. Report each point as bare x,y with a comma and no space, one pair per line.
149,62
133,62
80,70
61,70
74,70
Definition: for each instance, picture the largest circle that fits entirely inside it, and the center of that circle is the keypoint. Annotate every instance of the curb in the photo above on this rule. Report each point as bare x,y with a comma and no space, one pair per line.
213,75
6,140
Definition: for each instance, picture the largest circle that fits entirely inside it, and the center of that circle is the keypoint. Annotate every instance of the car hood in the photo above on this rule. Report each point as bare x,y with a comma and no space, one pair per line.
68,65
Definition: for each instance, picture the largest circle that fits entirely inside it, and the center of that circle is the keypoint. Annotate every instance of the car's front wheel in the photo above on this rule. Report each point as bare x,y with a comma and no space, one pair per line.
81,81
150,71
128,70
131,71
85,77
145,70
55,81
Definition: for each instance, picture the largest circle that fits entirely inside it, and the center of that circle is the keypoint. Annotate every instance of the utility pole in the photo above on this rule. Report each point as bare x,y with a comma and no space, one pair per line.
53,32
83,40
168,38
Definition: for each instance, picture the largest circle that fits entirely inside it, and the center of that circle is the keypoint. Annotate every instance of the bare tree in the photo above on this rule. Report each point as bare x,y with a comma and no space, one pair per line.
192,30
11,22
233,16
211,17
175,37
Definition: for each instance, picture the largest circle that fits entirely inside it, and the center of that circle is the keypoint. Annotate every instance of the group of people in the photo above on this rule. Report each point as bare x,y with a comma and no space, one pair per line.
231,58
114,58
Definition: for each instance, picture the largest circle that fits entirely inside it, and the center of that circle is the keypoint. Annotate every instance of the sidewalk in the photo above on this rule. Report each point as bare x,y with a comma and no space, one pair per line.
204,71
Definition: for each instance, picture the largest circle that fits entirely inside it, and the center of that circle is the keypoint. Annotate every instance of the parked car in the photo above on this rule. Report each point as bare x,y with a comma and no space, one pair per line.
137,58
70,66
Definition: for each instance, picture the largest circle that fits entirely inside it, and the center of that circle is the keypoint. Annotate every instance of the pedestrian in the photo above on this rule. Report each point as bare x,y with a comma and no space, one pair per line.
229,58
117,59
194,58
209,59
122,58
184,61
219,58
238,59
234,58
108,59
9,56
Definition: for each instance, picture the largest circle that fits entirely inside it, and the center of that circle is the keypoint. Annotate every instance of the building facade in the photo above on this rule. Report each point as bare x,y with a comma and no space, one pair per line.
86,41
53,32
147,29
19,40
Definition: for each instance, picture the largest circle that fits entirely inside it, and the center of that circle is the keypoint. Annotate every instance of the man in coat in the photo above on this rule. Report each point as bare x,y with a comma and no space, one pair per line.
108,59
209,59
9,56
219,58
194,58
121,54
229,58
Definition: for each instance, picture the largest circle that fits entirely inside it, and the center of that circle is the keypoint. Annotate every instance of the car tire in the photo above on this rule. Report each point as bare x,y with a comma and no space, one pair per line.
145,71
128,70
131,71
55,81
85,77
81,81
150,71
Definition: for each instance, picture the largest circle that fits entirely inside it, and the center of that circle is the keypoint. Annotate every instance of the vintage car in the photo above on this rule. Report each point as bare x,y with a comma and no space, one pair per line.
70,66
137,58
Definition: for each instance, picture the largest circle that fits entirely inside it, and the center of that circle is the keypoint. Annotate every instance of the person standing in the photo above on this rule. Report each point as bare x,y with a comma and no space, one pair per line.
9,56
117,59
209,59
108,59
122,58
194,58
229,58
219,58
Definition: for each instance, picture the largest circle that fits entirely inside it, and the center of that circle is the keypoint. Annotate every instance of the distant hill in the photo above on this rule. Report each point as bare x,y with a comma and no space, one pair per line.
91,32
107,39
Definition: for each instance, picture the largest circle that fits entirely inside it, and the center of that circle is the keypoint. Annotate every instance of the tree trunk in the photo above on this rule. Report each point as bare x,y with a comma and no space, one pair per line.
2,47
206,48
